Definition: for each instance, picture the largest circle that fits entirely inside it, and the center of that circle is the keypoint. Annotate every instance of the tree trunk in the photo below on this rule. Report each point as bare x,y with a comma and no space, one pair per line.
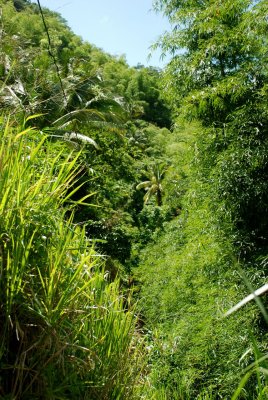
159,198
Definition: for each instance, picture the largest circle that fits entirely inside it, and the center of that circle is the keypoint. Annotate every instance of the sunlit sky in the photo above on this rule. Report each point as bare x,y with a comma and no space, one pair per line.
119,27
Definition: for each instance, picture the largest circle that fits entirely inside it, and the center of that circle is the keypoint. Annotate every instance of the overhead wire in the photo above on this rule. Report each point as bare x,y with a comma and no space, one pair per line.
50,52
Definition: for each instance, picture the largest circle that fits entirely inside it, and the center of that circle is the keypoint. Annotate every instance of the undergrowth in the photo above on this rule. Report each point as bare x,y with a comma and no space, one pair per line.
66,332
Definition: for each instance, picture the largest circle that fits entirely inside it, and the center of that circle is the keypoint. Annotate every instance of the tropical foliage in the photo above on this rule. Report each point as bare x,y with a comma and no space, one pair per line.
133,209
153,186
63,322
214,252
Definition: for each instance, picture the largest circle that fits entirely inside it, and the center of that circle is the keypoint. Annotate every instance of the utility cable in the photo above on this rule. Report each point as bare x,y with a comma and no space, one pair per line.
50,52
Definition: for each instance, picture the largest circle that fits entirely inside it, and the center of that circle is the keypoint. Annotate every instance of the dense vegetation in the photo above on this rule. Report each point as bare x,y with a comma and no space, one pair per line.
134,209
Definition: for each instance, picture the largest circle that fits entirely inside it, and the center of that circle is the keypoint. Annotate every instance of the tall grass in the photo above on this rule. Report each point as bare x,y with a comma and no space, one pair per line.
65,332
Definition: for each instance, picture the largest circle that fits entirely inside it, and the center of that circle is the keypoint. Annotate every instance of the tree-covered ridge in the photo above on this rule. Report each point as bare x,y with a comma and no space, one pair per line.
80,89
225,88
60,73
216,251
121,184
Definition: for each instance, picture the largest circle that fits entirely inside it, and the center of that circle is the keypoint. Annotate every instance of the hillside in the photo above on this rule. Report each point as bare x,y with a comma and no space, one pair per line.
134,209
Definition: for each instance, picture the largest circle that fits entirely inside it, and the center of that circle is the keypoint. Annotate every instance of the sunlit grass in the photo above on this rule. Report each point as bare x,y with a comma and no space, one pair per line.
65,331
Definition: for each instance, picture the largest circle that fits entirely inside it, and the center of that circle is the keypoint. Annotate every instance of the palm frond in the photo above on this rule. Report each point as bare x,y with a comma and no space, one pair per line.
78,137
143,185
81,115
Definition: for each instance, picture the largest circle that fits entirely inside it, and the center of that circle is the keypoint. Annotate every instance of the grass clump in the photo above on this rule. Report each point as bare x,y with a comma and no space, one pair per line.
65,330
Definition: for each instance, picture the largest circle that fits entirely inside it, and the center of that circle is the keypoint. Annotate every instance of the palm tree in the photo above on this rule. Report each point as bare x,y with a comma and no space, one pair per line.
87,105
153,186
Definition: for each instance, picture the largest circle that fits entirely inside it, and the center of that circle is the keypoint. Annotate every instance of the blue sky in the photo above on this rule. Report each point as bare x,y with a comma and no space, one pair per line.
117,26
